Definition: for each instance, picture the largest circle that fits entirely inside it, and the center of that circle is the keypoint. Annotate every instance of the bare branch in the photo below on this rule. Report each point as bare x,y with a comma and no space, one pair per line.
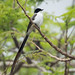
56,48
60,59
9,63
24,11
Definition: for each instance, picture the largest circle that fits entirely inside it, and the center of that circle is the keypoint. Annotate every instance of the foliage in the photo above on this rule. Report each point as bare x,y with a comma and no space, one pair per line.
13,23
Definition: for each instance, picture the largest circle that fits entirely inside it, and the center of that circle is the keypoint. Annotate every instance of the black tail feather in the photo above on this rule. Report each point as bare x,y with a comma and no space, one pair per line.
18,54
24,41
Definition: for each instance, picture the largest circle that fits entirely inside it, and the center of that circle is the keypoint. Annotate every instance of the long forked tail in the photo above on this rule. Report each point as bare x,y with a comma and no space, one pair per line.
24,41
18,54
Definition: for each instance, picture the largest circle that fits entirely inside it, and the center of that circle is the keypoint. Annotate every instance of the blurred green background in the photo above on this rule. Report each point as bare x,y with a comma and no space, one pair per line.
13,25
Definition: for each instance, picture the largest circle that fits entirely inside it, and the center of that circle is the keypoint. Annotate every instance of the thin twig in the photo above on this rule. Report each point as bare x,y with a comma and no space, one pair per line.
60,59
24,11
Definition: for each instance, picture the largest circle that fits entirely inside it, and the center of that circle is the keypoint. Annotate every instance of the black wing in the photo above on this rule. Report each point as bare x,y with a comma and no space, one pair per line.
33,17
29,25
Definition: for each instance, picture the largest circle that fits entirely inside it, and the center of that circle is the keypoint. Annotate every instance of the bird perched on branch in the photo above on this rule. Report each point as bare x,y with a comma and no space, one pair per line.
37,19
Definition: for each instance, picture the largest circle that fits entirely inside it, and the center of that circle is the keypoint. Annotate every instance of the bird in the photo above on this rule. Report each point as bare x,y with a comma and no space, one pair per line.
37,19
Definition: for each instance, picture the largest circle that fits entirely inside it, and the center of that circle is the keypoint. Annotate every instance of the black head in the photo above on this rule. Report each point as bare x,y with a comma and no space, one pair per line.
37,10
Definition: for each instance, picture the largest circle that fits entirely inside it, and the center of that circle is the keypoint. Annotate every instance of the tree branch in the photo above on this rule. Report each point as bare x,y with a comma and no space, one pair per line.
60,59
24,11
51,44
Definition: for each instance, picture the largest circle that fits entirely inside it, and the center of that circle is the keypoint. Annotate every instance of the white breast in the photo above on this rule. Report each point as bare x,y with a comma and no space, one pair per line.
38,19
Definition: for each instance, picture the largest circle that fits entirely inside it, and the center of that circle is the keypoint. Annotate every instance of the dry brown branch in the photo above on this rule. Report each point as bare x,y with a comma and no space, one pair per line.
24,11
60,59
55,47
9,63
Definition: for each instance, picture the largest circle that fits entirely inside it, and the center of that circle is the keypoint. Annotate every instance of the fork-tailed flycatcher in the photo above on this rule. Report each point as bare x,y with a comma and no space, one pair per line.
37,19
